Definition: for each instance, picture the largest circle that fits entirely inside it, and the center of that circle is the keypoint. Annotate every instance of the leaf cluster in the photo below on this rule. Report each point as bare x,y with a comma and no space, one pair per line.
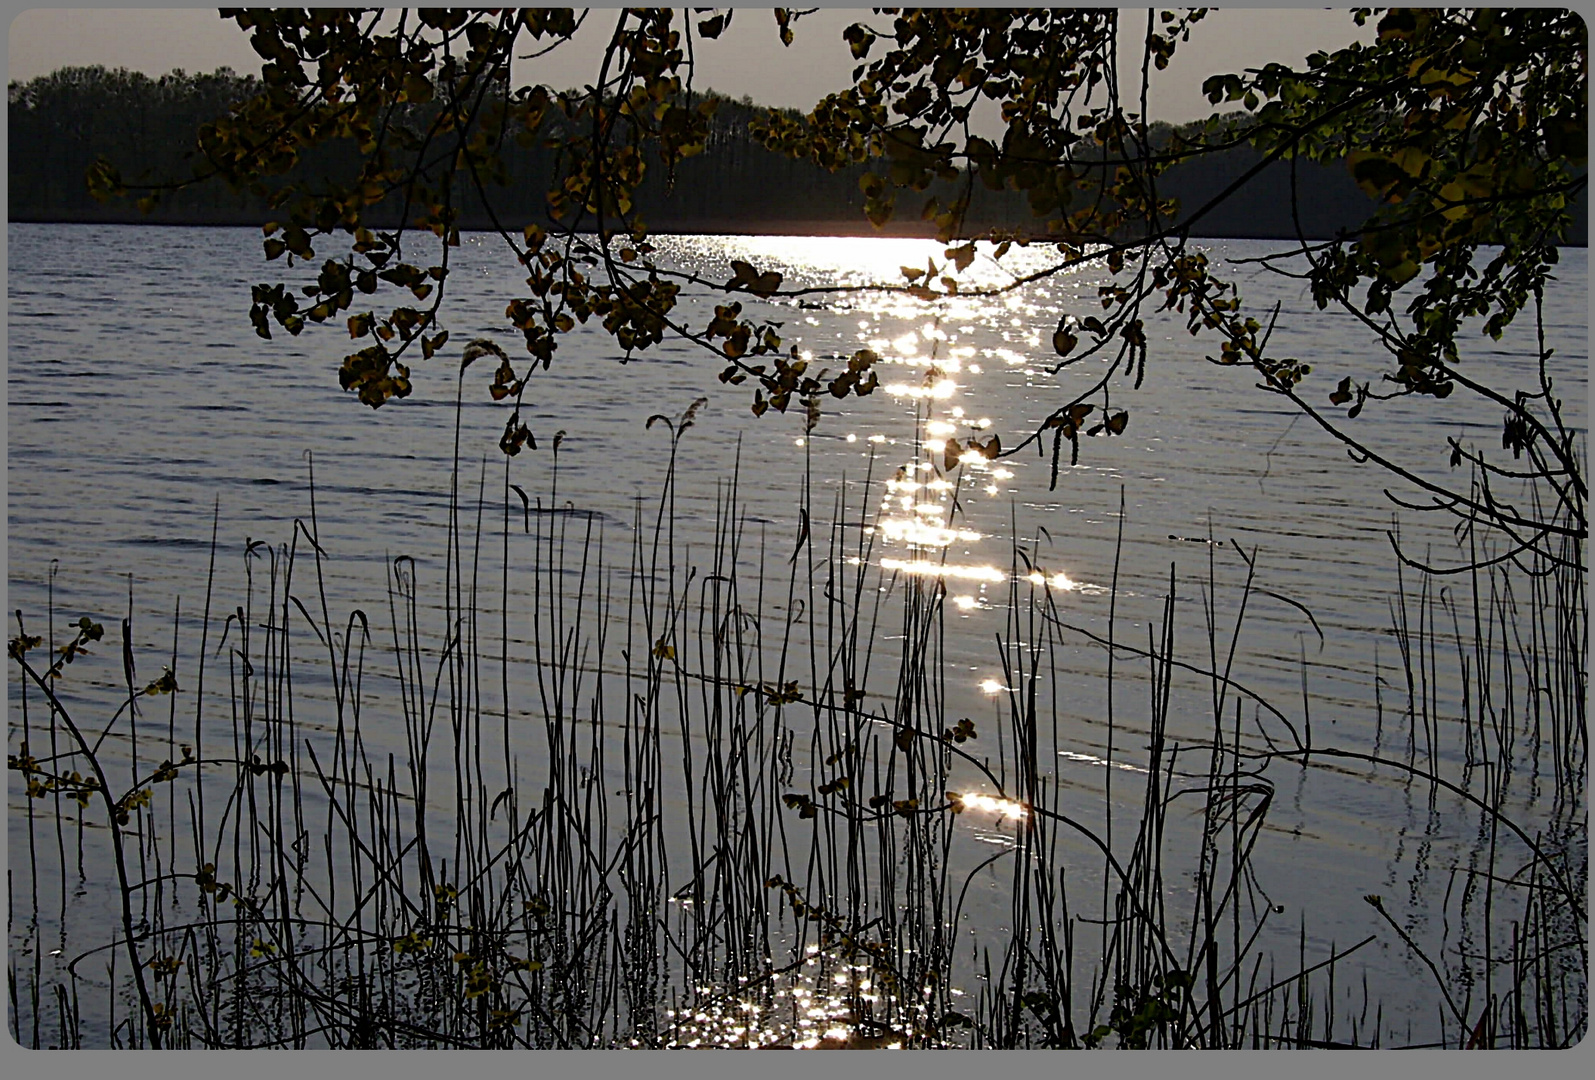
1468,125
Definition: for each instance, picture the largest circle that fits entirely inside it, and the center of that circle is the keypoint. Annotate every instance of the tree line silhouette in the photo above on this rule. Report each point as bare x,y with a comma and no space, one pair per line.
62,123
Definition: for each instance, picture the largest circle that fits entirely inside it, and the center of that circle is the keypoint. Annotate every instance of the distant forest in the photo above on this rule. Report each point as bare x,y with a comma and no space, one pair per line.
59,124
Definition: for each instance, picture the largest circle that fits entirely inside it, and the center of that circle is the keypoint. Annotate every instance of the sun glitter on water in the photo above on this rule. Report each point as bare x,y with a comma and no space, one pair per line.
986,803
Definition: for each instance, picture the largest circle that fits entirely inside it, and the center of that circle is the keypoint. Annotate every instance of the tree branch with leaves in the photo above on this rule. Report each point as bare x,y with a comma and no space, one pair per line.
1468,126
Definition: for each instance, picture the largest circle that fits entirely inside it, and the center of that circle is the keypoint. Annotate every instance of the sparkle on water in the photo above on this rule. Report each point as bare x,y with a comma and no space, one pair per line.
989,804
922,355
926,568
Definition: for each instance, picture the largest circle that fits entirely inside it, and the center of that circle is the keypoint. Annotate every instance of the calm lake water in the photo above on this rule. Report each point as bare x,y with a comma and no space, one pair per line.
141,404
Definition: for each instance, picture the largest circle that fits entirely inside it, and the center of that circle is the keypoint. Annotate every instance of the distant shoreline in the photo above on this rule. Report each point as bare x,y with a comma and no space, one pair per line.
840,228
61,126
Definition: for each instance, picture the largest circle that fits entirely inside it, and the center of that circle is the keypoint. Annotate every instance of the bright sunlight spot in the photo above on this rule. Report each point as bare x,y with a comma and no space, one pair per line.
1008,809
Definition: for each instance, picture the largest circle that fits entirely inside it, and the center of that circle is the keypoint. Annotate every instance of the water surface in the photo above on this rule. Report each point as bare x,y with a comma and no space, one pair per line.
142,408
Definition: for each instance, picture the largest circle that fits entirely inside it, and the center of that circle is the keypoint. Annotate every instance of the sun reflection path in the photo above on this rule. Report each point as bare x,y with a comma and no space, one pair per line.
824,1003
1009,809
938,358
940,390
918,533
1060,581
922,534
927,568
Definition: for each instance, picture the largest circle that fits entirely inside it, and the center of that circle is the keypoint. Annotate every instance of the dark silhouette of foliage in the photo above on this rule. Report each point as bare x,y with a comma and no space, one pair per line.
61,123
1467,129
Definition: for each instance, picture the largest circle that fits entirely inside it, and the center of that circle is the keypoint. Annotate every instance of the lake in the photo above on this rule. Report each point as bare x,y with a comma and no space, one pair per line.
143,410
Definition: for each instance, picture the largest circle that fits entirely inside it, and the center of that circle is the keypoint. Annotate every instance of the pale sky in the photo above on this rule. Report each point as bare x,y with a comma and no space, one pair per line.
747,59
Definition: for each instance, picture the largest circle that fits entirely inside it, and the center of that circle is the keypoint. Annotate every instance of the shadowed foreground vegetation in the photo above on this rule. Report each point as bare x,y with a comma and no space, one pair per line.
737,811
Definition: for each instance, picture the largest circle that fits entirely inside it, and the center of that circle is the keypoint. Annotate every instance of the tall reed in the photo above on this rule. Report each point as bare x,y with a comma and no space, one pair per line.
658,796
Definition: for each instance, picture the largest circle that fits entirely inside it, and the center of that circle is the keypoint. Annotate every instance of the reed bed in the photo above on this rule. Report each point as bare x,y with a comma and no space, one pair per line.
583,789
